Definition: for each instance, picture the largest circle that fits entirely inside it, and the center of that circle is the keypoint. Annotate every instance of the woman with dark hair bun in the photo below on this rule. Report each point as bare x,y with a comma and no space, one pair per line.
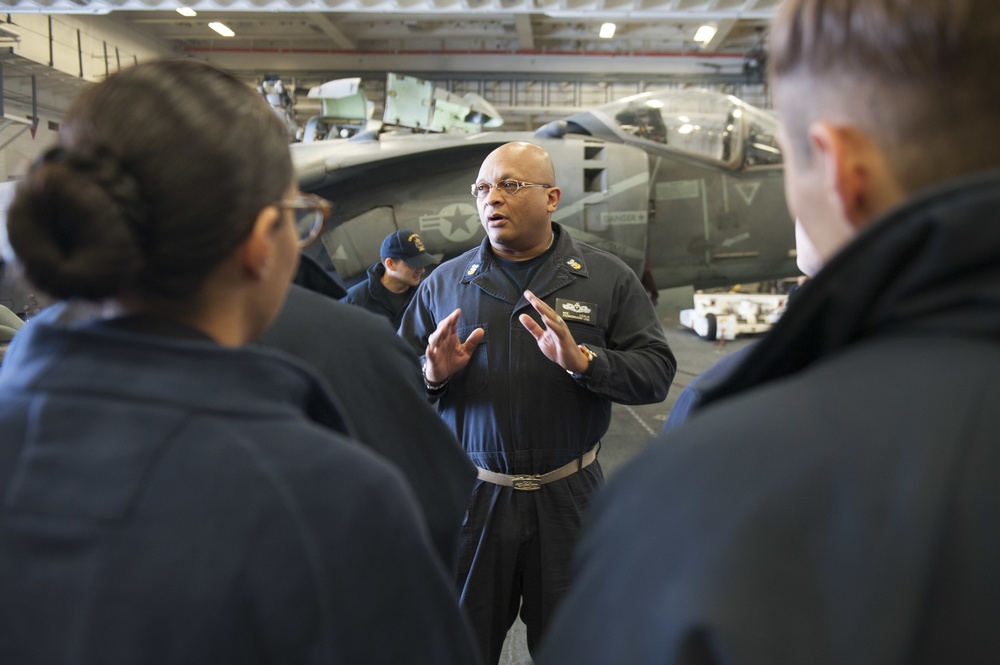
168,494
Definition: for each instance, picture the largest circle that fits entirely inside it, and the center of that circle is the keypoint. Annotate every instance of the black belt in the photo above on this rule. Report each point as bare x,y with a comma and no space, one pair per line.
534,481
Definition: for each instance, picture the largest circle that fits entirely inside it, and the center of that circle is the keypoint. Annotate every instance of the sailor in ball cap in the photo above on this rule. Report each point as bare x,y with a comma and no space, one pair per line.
392,282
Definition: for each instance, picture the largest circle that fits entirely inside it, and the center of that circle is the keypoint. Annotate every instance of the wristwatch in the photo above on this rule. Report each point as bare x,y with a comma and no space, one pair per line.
590,360
432,387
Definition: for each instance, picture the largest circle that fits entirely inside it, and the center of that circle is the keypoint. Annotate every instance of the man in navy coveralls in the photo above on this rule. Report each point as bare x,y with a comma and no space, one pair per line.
549,333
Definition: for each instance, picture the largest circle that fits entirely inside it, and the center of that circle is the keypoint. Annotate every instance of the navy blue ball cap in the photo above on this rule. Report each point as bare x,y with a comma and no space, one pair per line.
408,246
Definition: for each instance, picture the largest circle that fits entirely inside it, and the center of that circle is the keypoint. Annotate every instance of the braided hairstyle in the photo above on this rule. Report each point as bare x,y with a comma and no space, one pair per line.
157,176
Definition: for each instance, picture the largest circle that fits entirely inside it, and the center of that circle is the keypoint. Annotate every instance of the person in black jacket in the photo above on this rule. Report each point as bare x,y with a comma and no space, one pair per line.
392,282
375,378
835,499
171,494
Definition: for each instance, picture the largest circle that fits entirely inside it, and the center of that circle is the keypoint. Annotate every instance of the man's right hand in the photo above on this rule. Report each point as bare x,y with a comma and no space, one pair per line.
445,354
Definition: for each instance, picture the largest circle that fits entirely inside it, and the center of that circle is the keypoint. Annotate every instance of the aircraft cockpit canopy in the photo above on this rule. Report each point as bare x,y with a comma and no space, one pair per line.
700,123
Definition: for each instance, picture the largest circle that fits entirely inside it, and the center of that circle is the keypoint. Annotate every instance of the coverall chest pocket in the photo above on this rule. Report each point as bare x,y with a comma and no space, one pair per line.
476,375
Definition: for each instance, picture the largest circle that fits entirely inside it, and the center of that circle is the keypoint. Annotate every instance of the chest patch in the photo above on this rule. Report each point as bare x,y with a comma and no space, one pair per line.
576,310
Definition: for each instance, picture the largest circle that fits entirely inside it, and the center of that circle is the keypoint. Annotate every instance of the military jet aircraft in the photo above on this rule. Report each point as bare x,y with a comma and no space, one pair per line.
687,185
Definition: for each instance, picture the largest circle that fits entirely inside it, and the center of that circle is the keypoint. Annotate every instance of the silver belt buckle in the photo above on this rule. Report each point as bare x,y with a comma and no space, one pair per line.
526,483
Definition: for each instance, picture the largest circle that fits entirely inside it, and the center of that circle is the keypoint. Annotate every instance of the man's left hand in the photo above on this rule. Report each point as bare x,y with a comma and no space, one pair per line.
555,340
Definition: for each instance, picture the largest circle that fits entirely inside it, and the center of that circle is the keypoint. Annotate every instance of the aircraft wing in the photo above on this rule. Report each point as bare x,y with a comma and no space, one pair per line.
324,163
685,185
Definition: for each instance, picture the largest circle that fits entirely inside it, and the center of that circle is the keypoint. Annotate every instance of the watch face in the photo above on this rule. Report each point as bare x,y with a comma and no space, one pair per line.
590,358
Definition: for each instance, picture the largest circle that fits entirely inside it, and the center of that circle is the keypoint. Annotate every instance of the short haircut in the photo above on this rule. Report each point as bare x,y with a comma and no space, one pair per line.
917,75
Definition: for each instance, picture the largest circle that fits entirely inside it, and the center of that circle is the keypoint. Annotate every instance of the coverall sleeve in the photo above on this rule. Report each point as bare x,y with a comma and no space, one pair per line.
636,366
419,320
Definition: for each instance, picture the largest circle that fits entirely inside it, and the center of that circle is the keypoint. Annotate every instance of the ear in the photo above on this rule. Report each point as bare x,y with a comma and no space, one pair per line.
258,249
555,194
849,161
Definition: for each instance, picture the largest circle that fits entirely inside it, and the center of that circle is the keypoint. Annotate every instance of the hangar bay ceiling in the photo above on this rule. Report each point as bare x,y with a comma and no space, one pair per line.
643,27
526,54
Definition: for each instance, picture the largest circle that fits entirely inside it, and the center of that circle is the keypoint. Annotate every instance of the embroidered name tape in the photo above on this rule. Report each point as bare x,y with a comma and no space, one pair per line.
576,310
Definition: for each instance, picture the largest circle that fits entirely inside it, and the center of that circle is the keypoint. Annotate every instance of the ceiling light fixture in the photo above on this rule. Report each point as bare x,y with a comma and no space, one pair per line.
222,29
186,11
705,34
607,31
